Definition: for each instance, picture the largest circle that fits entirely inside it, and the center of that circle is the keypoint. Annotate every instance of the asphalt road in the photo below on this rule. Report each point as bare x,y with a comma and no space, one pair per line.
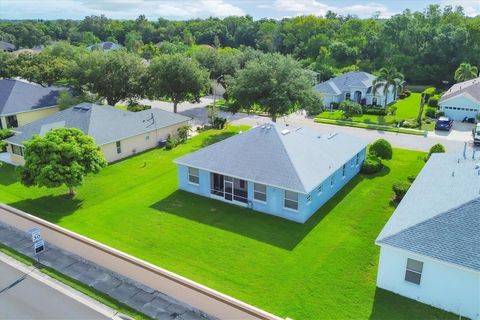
23,297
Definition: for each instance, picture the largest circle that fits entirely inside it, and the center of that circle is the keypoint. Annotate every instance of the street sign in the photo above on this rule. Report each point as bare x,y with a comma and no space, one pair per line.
39,247
36,235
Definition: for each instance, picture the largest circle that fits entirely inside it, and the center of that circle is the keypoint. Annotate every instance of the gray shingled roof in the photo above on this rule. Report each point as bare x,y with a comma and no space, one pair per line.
7,46
470,88
344,82
444,221
105,124
19,96
105,46
297,160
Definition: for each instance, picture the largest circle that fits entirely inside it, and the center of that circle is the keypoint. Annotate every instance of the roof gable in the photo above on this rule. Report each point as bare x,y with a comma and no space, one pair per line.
19,96
293,159
345,82
469,88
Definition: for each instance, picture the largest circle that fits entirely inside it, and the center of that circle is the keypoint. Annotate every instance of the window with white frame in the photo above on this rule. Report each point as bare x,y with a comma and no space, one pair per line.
193,176
291,200
260,192
332,180
309,198
414,270
357,159
344,169
352,163
119,147
320,189
17,150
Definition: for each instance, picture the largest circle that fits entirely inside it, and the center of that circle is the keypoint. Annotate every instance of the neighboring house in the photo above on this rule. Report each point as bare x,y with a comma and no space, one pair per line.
104,46
22,102
6,46
353,85
430,247
462,100
118,133
282,171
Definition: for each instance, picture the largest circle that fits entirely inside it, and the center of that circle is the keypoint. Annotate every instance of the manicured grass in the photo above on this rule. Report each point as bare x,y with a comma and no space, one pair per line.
323,269
86,290
369,126
407,109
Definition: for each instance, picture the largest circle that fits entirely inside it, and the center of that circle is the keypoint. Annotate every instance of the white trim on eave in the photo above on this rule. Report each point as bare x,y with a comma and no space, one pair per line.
465,95
450,264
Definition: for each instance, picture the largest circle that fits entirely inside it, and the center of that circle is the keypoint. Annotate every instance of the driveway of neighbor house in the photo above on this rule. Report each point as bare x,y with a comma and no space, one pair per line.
453,141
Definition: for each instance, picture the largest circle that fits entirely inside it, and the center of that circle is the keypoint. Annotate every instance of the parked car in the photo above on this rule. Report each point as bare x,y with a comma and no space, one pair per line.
476,135
444,123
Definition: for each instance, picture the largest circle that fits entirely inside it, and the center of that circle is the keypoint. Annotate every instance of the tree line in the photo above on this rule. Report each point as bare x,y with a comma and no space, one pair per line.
425,46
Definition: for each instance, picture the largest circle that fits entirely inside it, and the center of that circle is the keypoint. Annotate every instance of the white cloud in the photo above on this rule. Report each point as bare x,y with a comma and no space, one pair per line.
470,7
301,7
117,9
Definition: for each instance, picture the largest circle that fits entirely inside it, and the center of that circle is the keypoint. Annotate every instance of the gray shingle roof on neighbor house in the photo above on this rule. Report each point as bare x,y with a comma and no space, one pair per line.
19,96
469,88
296,159
6,46
105,46
105,124
344,82
439,217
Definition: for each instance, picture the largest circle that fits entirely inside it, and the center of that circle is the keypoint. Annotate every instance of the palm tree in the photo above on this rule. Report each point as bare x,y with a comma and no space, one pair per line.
465,72
388,78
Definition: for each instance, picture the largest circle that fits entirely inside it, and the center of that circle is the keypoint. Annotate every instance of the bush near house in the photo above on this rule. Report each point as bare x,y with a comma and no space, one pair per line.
381,149
4,134
433,101
400,189
171,143
436,148
183,133
430,113
372,164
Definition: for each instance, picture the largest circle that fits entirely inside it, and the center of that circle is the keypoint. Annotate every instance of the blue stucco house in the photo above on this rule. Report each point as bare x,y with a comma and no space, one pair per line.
286,172
462,100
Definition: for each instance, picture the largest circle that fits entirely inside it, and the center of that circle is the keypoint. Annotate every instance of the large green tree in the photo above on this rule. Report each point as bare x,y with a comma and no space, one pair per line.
116,75
42,68
178,78
465,72
63,156
276,83
388,79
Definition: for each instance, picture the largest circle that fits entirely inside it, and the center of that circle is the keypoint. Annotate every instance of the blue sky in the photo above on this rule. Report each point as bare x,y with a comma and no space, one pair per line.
187,9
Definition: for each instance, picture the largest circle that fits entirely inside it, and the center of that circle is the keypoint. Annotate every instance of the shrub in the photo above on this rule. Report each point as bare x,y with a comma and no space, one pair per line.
400,189
430,112
350,108
183,133
4,134
410,123
433,101
402,95
436,148
407,92
334,105
219,123
171,142
372,164
439,114
138,107
411,178
374,111
382,149
392,110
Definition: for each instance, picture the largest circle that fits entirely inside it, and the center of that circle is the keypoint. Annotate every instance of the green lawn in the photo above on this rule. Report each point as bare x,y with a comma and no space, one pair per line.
406,109
323,269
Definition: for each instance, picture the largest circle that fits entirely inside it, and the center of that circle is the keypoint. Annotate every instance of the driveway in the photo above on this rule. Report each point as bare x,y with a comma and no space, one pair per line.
453,141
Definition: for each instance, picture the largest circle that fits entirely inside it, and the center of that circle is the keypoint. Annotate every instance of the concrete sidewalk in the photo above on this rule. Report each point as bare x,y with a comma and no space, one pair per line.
135,295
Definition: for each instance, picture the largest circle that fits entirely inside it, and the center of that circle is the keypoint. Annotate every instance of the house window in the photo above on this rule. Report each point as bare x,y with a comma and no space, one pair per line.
193,176
309,198
347,96
357,159
119,147
17,150
413,273
11,121
343,170
291,200
260,192
319,189
147,137
352,163
332,180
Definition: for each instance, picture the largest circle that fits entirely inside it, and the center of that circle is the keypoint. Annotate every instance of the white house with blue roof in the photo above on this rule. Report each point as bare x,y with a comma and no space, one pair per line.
282,171
462,100
430,247
356,86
